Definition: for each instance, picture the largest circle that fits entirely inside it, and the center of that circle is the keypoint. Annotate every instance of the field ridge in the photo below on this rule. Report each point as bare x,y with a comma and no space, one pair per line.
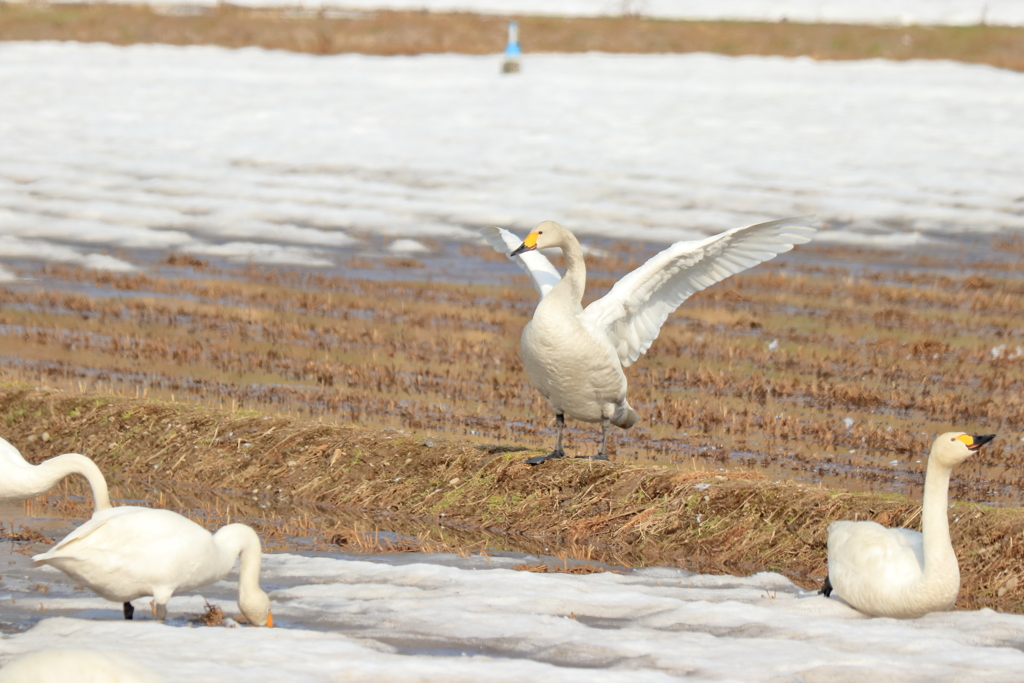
409,33
734,522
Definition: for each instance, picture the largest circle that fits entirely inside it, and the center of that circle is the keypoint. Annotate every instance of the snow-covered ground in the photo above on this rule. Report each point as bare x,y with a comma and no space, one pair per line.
112,153
444,618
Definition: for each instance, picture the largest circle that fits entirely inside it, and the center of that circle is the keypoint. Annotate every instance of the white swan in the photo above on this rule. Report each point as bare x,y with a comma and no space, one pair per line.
80,666
574,356
130,552
20,480
898,572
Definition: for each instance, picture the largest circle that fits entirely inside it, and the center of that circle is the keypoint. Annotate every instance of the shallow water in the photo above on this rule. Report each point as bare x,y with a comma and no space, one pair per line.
29,594
415,617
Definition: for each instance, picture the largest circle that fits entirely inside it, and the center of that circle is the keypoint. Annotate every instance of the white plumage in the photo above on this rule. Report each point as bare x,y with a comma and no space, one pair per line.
574,356
130,552
20,480
542,274
79,666
899,572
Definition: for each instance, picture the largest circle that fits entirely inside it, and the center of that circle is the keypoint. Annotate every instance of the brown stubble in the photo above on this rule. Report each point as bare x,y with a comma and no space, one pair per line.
903,354
407,33
306,485
290,387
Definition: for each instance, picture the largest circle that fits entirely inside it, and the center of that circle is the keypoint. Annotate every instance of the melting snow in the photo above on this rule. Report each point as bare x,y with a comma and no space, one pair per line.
280,158
446,618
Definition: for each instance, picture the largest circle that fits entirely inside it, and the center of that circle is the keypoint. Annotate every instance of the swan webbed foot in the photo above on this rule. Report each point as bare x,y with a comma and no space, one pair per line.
129,611
826,588
599,456
538,459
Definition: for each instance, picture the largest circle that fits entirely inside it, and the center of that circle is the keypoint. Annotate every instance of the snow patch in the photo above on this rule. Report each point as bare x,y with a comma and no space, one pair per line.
407,246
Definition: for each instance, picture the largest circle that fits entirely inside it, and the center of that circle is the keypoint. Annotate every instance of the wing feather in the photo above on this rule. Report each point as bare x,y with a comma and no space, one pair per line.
863,554
633,312
543,275
97,520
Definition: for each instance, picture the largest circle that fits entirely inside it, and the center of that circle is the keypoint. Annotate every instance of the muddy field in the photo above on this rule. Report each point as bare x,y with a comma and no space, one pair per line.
391,33
307,485
811,367
335,407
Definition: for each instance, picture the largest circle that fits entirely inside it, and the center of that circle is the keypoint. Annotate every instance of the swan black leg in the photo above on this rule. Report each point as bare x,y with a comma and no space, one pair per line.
129,611
826,588
559,426
558,452
606,426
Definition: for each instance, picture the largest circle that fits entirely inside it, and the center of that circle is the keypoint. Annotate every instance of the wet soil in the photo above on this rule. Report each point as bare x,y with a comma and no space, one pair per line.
377,414
321,487
827,365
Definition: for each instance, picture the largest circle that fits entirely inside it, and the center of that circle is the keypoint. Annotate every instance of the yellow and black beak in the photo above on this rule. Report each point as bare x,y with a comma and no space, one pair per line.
529,244
976,442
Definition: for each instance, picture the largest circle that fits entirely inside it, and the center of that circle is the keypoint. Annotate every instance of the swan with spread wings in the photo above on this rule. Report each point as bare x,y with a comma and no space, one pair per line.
575,355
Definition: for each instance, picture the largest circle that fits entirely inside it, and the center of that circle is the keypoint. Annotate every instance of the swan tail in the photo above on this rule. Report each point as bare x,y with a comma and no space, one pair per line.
50,555
625,417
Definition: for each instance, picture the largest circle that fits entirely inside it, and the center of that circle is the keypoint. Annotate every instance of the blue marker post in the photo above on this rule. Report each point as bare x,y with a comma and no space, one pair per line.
510,65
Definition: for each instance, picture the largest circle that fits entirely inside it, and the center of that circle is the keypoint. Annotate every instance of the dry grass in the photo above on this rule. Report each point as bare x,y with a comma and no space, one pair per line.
390,33
454,497
796,370
542,568
376,398
25,534
213,616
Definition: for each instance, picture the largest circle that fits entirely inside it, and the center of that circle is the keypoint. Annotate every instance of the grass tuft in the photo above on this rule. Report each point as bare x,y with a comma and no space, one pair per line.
617,514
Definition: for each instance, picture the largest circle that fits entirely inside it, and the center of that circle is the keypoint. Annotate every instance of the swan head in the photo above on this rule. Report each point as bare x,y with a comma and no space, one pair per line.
252,600
547,234
952,448
255,605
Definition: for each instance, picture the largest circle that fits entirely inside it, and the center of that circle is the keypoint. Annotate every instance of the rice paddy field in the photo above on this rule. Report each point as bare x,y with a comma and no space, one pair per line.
823,374
806,389
227,351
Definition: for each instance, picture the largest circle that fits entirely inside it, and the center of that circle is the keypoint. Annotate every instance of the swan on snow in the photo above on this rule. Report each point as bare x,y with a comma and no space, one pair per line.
131,552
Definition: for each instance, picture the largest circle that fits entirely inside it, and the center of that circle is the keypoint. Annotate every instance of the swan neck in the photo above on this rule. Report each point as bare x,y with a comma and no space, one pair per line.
938,549
249,571
55,469
575,278
238,539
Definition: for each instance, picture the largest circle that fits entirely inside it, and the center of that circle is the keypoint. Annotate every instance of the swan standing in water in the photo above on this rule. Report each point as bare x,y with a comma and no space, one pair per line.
898,572
20,480
575,355
129,552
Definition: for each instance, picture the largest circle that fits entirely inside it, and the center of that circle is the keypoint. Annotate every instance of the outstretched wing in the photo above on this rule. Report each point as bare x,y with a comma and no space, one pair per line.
541,272
633,312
